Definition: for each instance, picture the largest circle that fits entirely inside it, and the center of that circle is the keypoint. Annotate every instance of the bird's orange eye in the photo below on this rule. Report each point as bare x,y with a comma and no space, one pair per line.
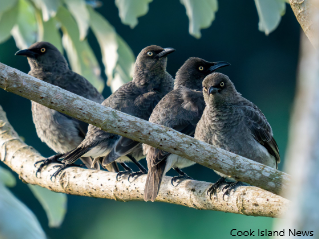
222,84
42,50
150,53
201,68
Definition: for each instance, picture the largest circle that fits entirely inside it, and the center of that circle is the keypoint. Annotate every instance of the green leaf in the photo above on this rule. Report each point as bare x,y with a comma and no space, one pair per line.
5,5
80,54
7,178
269,12
49,7
80,13
53,203
107,39
125,65
7,21
49,31
130,10
201,14
16,220
25,31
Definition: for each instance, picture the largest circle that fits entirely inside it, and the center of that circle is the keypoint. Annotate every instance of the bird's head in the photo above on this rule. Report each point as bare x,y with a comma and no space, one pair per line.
194,70
42,54
153,58
218,88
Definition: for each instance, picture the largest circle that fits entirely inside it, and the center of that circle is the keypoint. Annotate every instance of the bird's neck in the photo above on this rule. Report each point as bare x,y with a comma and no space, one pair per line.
149,80
220,107
58,66
187,81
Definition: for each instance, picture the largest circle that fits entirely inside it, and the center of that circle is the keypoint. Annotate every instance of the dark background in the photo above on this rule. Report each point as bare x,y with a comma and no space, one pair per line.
263,69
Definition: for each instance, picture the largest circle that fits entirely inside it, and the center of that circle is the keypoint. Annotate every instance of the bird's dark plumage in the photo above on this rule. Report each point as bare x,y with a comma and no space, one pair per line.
138,98
235,124
180,109
59,131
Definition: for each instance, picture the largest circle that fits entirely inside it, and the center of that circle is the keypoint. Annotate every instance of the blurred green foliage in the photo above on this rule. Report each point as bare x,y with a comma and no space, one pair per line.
263,70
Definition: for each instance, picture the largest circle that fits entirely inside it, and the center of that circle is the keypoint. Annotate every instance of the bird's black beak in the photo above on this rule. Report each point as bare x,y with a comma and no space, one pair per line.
165,52
217,65
26,53
212,90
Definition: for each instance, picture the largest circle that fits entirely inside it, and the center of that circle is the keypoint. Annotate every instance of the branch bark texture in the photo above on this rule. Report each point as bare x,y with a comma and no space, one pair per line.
303,11
20,157
240,168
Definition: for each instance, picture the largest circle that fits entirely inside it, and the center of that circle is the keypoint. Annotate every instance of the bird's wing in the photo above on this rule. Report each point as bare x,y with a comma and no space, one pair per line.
260,129
144,104
181,111
159,155
83,128
77,84
123,147
78,152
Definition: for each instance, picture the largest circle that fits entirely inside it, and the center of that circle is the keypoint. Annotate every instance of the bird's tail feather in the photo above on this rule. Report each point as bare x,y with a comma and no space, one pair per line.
73,155
153,181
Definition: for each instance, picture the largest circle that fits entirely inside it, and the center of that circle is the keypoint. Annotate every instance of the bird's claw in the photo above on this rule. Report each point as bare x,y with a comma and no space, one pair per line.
39,161
229,187
185,176
61,167
214,187
45,162
120,174
132,175
40,167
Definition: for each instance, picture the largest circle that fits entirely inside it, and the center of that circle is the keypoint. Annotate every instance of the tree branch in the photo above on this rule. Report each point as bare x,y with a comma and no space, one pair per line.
303,147
302,10
110,120
20,157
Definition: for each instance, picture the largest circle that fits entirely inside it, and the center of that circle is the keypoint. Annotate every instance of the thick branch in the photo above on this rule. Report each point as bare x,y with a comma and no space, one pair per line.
303,147
17,155
242,169
303,10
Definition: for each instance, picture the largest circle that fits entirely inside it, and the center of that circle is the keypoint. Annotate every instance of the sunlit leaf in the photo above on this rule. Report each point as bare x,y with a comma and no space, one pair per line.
124,67
201,14
25,31
80,13
130,10
7,21
48,31
16,220
106,37
269,12
53,203
5,5
7,178
49,7
79,53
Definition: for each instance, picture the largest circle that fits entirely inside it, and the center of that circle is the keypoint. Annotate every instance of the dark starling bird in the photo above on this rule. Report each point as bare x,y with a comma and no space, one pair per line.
138,98
235,124
59,131
180,109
